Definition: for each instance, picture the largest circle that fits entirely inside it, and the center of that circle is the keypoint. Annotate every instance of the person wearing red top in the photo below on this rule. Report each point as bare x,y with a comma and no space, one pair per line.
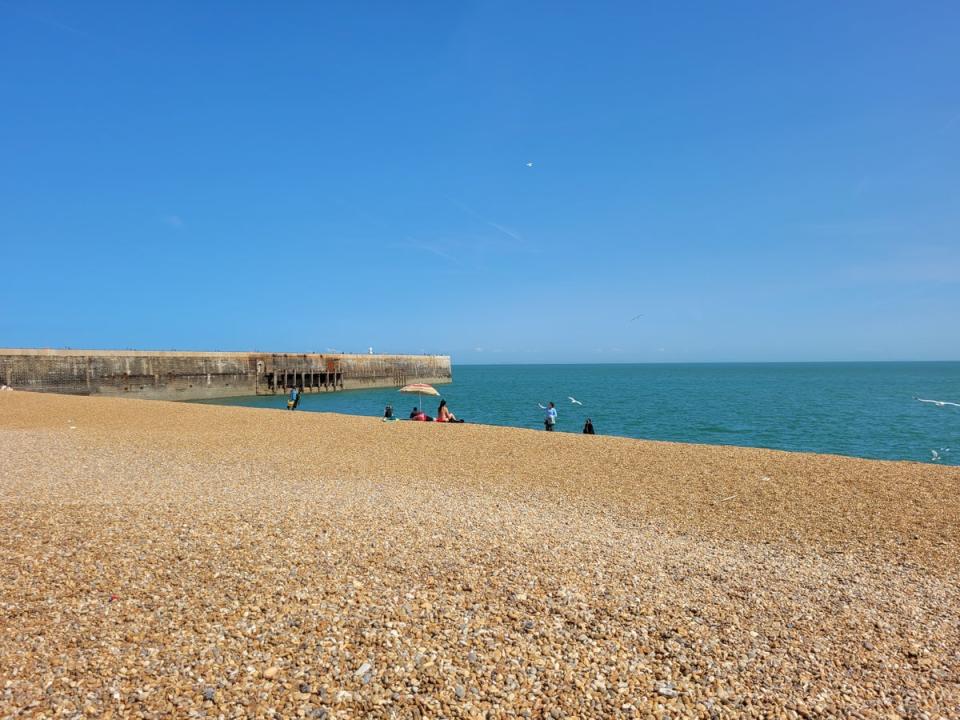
419,416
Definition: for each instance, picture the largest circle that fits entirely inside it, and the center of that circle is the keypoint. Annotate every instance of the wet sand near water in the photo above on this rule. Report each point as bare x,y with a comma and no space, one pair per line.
175,560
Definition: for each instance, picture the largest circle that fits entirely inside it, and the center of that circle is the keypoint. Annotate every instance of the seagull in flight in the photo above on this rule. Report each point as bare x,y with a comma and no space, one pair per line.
939,403
529,164
574,400
636,317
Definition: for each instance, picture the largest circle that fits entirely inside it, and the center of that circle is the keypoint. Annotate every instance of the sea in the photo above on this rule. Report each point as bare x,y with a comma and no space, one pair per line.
869,410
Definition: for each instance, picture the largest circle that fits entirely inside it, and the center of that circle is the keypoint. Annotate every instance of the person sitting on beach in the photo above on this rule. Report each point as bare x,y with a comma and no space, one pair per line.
588,427
388,412
421,416
444,414
416,411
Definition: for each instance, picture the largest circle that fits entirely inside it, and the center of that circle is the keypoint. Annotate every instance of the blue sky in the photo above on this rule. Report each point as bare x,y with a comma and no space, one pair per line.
759,181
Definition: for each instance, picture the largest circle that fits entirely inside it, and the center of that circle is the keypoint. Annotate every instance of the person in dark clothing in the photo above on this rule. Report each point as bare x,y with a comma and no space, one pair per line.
413,413
388,412
588,427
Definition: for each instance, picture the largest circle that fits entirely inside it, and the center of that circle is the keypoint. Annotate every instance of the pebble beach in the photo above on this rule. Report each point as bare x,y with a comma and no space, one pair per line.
184,560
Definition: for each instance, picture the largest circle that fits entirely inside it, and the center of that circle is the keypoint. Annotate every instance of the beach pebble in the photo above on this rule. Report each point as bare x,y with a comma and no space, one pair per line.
189,560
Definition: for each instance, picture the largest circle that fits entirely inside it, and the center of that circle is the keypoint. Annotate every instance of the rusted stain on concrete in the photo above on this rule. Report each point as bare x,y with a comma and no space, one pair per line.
174,375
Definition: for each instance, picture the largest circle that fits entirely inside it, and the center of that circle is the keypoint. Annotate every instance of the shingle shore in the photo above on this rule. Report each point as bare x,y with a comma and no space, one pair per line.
170,560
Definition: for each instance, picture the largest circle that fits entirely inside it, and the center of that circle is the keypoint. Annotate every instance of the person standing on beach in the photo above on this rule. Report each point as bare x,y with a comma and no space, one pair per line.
550,417
588,427
292,402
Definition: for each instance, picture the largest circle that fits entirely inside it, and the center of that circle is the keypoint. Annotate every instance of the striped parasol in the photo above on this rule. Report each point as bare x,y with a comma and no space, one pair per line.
420,389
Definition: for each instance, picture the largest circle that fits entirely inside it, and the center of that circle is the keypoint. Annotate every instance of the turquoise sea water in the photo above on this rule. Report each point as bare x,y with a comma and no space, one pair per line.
861,409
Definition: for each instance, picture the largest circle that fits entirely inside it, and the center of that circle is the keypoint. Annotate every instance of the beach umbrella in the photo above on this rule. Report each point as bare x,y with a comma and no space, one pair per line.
420,389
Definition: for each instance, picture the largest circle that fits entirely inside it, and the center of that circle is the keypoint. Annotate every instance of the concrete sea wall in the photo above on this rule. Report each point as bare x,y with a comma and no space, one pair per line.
163,375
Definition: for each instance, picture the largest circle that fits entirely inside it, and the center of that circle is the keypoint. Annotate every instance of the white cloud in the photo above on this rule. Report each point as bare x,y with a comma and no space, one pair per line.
440,251
506,231
509,232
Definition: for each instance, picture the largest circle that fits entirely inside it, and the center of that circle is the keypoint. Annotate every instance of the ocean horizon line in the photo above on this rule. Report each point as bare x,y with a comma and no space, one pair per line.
703,362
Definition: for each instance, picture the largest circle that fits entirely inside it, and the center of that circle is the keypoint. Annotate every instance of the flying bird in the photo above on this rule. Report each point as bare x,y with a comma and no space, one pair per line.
935,454
939,403
574,400
636,317
529,164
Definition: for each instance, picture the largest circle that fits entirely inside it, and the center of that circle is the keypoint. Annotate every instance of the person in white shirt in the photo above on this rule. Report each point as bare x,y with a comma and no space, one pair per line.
550,416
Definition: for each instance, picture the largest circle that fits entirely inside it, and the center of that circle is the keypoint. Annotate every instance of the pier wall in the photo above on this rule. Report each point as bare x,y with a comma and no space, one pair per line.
163,375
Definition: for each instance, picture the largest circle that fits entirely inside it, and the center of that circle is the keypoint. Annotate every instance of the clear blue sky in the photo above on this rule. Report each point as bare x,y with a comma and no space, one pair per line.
759,181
